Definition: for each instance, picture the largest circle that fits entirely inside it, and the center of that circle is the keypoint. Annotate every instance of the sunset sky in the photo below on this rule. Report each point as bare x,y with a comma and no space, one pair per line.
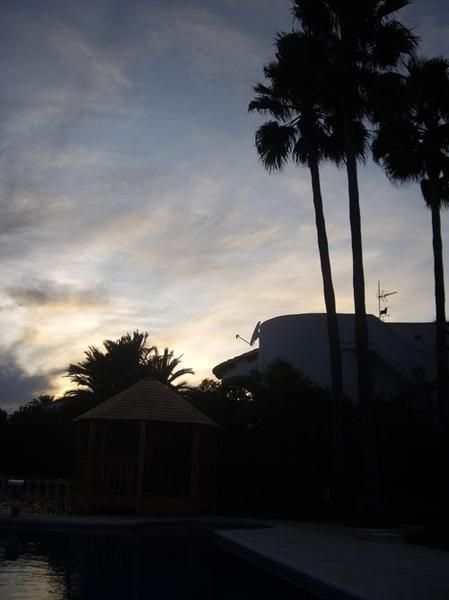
132,197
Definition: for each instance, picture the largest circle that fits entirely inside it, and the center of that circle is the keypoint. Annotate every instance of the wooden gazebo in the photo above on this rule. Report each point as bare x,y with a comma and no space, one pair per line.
146,450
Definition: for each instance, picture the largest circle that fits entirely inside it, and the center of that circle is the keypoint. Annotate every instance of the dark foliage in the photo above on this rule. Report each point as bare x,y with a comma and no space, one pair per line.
38,440
275,443
123,362
275,450
409,453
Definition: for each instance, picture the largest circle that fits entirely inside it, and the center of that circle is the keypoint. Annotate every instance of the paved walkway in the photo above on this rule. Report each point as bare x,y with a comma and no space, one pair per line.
326,557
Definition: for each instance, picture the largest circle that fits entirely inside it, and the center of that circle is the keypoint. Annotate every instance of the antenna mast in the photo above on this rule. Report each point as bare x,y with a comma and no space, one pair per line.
382,296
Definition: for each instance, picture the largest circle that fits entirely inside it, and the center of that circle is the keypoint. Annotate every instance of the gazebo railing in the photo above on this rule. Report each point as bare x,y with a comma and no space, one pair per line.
115,477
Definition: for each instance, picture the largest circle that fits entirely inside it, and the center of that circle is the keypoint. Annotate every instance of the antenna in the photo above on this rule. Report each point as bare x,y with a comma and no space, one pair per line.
239,337
382,296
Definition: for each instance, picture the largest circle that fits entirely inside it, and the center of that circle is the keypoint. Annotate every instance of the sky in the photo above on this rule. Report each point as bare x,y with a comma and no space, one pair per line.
131,195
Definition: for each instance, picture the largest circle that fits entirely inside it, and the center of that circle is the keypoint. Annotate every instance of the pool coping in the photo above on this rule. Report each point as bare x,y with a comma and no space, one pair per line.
335,562
124,524
321,588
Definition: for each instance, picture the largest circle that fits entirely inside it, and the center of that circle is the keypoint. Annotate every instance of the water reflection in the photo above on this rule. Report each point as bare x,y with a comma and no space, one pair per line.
24,575
161,564
92,566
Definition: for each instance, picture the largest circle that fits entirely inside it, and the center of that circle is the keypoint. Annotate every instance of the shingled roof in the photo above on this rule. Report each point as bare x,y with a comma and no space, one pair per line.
147,400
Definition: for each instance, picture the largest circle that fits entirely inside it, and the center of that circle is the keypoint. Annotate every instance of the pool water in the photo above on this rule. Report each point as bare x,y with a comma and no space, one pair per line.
157,564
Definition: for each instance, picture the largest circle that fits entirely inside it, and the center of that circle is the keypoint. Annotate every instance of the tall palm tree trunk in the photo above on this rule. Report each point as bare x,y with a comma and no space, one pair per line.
370,498
441,349
440,305
337,475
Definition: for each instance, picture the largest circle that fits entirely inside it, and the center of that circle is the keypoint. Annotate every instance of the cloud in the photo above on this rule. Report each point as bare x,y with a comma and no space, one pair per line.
203,39
429,21
18,214
54,295
17,387
54,74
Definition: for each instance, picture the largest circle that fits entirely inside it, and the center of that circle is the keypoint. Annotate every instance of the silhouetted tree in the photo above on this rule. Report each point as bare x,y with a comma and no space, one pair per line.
299,132
39,403
102,374
408,451
164,367
363,42
41,440
412,144
275,442
4,441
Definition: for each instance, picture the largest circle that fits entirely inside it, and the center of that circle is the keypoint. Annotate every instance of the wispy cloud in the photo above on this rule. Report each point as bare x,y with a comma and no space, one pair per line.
57,295
203,39
53,74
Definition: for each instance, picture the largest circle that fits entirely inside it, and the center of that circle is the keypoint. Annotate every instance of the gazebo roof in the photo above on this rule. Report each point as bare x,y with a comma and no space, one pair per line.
147,400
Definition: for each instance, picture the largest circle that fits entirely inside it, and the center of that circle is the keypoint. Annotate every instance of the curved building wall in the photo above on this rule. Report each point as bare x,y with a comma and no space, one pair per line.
302,341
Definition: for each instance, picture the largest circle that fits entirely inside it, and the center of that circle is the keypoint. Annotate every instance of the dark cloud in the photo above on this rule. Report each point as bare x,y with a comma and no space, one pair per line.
16,386
51,293
17,217
19,211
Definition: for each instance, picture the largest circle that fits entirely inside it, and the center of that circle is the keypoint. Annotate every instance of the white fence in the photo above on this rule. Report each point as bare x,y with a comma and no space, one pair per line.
53,491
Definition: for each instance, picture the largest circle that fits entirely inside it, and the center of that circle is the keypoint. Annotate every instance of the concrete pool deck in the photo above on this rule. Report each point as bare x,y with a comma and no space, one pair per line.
335,562
329,560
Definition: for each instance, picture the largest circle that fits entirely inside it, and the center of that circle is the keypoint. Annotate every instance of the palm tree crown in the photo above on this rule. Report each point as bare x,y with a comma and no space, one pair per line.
123,362
293,99
412,144
412,140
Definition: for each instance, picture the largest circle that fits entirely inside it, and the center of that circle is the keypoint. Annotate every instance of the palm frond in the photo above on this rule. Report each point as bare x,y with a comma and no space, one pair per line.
314,15
274,144
267,102
163,367
444,191
391,42
397,148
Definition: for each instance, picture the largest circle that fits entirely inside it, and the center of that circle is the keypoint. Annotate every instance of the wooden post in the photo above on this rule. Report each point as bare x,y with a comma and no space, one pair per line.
141,467
90,466
194,466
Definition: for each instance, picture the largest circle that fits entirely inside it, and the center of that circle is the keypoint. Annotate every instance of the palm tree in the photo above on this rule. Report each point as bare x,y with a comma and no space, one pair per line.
164,367
364,42
299,132
125,361
40,402
103,374
412,144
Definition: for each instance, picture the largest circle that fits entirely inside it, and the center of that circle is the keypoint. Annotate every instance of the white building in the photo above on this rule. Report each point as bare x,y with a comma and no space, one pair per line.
398,351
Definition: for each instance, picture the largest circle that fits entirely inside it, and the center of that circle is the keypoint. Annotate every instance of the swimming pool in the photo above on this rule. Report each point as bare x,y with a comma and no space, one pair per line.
156,564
